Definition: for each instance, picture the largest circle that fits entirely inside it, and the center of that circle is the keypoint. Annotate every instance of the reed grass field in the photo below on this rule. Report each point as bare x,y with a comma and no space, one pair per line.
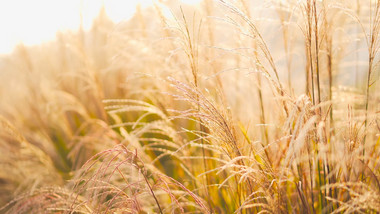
227,106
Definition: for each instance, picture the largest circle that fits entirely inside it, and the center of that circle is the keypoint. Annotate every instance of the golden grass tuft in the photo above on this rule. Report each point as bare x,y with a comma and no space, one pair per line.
225,107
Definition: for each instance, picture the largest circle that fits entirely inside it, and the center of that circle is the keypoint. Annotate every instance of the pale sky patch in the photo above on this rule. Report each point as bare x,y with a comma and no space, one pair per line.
33,22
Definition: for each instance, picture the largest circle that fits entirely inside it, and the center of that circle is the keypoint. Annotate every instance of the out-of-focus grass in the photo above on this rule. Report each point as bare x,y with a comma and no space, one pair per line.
232,106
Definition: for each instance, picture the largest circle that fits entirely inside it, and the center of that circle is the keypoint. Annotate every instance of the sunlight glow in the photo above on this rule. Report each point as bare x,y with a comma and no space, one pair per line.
33,22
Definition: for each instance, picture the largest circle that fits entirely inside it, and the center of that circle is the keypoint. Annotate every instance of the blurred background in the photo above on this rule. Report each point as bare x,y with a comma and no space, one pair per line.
33,22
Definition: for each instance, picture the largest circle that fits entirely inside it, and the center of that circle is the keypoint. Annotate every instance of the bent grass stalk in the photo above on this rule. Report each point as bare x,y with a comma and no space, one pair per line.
92,123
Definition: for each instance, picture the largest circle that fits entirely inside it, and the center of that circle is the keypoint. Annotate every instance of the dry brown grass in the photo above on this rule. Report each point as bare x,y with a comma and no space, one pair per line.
229,107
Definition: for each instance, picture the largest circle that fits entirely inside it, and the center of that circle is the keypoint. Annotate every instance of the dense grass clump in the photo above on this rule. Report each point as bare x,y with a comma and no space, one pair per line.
225,107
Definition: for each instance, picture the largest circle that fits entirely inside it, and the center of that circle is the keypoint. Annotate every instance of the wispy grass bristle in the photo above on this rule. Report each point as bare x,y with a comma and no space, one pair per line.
219,107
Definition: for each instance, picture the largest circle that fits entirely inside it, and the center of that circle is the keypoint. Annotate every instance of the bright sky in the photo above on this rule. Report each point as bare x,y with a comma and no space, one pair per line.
34,21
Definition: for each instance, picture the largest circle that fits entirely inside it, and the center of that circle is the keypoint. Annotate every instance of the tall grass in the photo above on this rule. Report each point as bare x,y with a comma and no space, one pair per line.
224,107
